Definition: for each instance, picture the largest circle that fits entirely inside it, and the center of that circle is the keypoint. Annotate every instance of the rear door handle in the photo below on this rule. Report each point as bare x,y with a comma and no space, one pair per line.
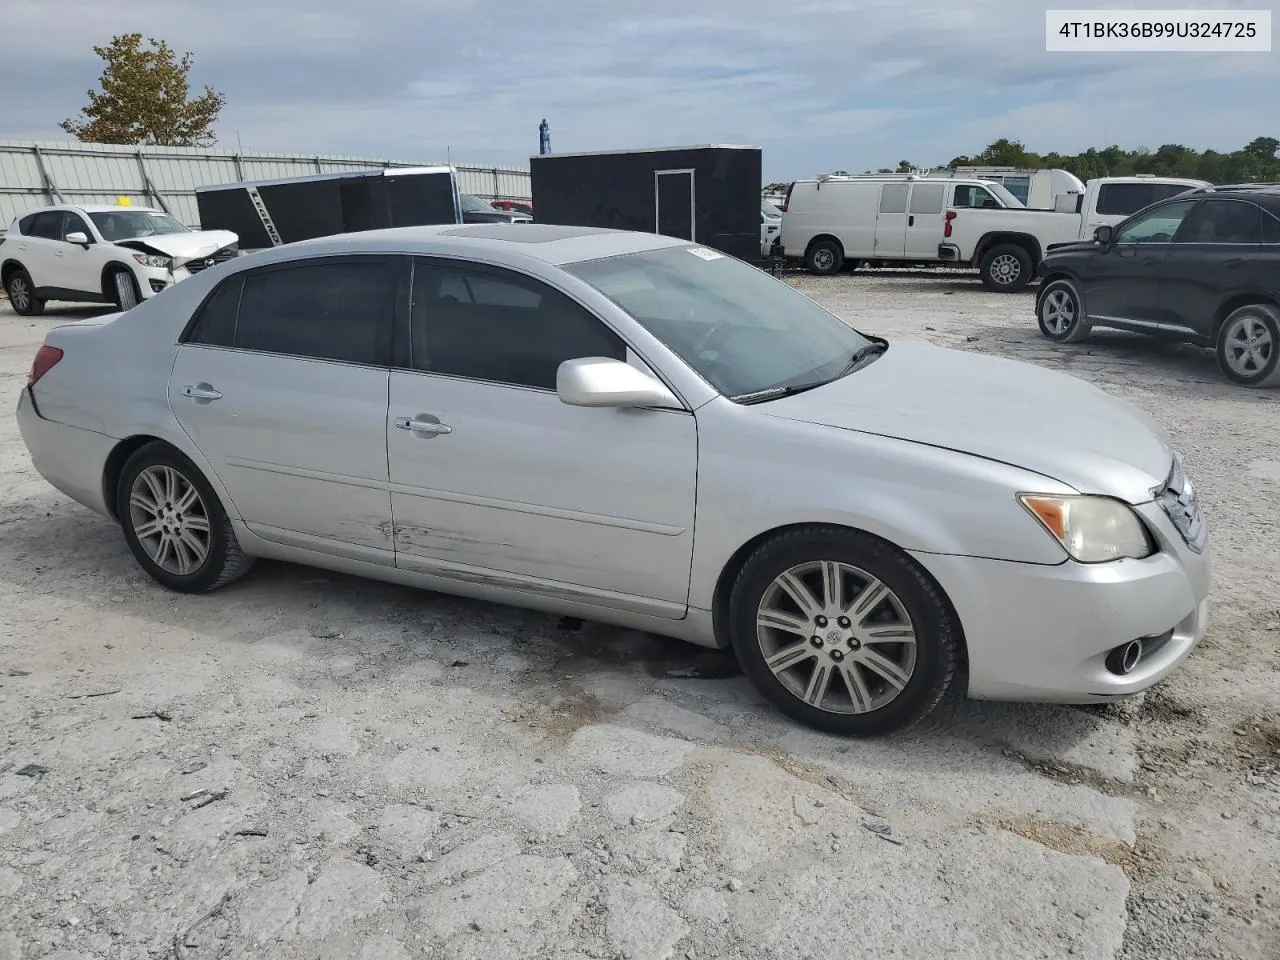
424,424
911,221
201,392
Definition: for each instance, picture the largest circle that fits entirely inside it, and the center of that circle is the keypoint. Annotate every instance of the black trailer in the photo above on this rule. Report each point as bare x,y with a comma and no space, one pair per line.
267,213
706,194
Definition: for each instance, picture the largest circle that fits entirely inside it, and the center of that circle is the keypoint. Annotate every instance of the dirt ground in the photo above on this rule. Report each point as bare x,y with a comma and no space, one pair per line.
309,766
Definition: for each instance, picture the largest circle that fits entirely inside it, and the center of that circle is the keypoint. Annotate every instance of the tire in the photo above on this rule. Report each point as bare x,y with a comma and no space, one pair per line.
859,700
1060,313
824,257
1248,346
1006,268
148,473
22,296
124,289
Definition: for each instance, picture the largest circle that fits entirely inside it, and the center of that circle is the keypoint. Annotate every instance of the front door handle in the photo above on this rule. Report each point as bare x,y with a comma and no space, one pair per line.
911,221
425,425
201,392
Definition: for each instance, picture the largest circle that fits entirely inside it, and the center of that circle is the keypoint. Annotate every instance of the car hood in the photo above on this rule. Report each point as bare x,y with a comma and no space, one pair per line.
1016,413
184,246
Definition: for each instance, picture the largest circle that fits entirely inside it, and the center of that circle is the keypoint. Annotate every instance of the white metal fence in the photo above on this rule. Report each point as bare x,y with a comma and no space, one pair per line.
35,174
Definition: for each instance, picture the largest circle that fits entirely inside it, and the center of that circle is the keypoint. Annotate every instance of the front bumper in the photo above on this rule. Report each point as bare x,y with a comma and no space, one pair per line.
1043,633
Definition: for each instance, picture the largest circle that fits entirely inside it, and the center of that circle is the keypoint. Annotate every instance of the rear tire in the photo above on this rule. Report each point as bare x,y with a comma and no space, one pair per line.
1006,268
1248,346
124,290
22,294
824,257
175,524
843,632
1060,313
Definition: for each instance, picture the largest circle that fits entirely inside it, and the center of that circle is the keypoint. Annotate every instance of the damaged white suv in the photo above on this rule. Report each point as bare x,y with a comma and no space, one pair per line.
102,254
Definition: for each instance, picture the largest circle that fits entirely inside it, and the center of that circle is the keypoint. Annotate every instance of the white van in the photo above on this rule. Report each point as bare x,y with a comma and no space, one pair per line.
833,222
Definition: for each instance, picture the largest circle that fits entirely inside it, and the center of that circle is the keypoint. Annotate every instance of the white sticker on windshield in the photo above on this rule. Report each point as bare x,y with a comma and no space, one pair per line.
705,253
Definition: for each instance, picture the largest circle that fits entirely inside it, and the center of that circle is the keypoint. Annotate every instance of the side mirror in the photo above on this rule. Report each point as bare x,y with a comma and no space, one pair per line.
78,237
602,382
1103,234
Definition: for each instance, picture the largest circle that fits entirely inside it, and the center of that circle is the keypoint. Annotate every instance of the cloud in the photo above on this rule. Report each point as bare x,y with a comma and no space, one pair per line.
820,84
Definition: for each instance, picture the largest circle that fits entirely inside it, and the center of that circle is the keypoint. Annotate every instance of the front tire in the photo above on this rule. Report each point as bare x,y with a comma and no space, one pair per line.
824,257
22,294
175,524
843,632
1006,268
124,290
1060,313
1248,346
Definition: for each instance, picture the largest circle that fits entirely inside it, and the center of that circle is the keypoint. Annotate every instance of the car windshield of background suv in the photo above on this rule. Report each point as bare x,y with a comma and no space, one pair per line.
135,224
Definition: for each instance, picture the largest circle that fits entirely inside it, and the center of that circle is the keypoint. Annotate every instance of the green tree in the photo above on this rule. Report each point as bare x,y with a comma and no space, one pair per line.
146,98
904,166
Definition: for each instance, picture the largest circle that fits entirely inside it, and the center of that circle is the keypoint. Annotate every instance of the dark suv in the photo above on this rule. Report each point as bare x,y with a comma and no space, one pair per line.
1201,267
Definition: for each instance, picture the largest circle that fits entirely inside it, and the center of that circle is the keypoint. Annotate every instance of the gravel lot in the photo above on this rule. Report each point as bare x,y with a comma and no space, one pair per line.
393,774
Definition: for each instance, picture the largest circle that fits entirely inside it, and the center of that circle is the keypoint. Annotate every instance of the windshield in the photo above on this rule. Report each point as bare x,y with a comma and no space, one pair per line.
117,225
738,327
769,210
1007,198
472,204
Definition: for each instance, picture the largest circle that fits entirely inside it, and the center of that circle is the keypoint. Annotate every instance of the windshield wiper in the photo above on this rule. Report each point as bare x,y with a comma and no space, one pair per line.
863,355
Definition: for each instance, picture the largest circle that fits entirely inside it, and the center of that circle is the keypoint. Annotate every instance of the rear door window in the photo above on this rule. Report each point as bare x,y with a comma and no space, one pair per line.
1270,228
338,309
47,225
1223,221
969,195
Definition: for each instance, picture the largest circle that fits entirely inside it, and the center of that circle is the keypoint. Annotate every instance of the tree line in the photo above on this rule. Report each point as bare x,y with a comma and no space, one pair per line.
1256,161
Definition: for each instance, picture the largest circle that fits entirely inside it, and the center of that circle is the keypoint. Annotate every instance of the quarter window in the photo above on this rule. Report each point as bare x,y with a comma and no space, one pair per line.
1155,226
1223,221
490,324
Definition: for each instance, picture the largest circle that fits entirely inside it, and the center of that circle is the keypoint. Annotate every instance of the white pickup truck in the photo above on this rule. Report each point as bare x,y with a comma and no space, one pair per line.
1006,244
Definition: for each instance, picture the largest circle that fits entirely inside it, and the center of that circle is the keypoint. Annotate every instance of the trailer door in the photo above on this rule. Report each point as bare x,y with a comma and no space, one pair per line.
673,203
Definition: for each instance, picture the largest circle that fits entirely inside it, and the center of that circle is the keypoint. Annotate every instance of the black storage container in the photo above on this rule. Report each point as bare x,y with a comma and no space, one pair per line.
707,194
267,213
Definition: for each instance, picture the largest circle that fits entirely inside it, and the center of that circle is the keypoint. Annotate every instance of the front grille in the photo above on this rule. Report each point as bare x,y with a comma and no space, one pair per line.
1177,498
213,259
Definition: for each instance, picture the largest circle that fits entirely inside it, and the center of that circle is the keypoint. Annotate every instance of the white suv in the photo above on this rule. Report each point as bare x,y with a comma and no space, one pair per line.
102,254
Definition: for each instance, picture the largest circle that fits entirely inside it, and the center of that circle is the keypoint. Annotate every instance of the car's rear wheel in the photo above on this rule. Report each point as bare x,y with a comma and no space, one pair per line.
174,523
824,257
124,289
1060,313
1249,346
22,294
1006,268
843,632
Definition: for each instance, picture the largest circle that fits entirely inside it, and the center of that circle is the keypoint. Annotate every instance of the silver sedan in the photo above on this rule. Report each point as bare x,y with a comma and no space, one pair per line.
637,430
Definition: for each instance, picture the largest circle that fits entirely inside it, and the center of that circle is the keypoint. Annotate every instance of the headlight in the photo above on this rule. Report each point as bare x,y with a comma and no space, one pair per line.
148,260
1091,529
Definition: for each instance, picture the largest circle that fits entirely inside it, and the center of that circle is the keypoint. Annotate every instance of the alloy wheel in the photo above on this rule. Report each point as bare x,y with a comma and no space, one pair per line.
1247,346
170,520
836,637
1005,269
1058,311
19,294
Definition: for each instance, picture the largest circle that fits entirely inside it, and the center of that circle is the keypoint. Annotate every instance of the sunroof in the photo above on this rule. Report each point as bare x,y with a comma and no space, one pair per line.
523,232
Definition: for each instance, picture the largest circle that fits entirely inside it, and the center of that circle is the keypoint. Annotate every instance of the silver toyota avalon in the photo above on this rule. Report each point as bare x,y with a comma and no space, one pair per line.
641,431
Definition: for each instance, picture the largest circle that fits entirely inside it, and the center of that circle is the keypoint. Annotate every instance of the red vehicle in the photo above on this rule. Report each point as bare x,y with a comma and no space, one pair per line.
513,206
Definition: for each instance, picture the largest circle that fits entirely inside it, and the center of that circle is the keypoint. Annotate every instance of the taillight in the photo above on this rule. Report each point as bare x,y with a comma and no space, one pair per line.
46,358
946,226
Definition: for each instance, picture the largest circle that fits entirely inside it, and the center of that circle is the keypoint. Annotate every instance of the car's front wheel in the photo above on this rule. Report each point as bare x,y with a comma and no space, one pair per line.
174,523
843,631
1249,346
22,294
1060,313
124,290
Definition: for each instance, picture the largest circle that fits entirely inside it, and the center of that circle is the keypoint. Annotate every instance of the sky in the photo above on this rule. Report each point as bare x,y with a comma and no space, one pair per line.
820,85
